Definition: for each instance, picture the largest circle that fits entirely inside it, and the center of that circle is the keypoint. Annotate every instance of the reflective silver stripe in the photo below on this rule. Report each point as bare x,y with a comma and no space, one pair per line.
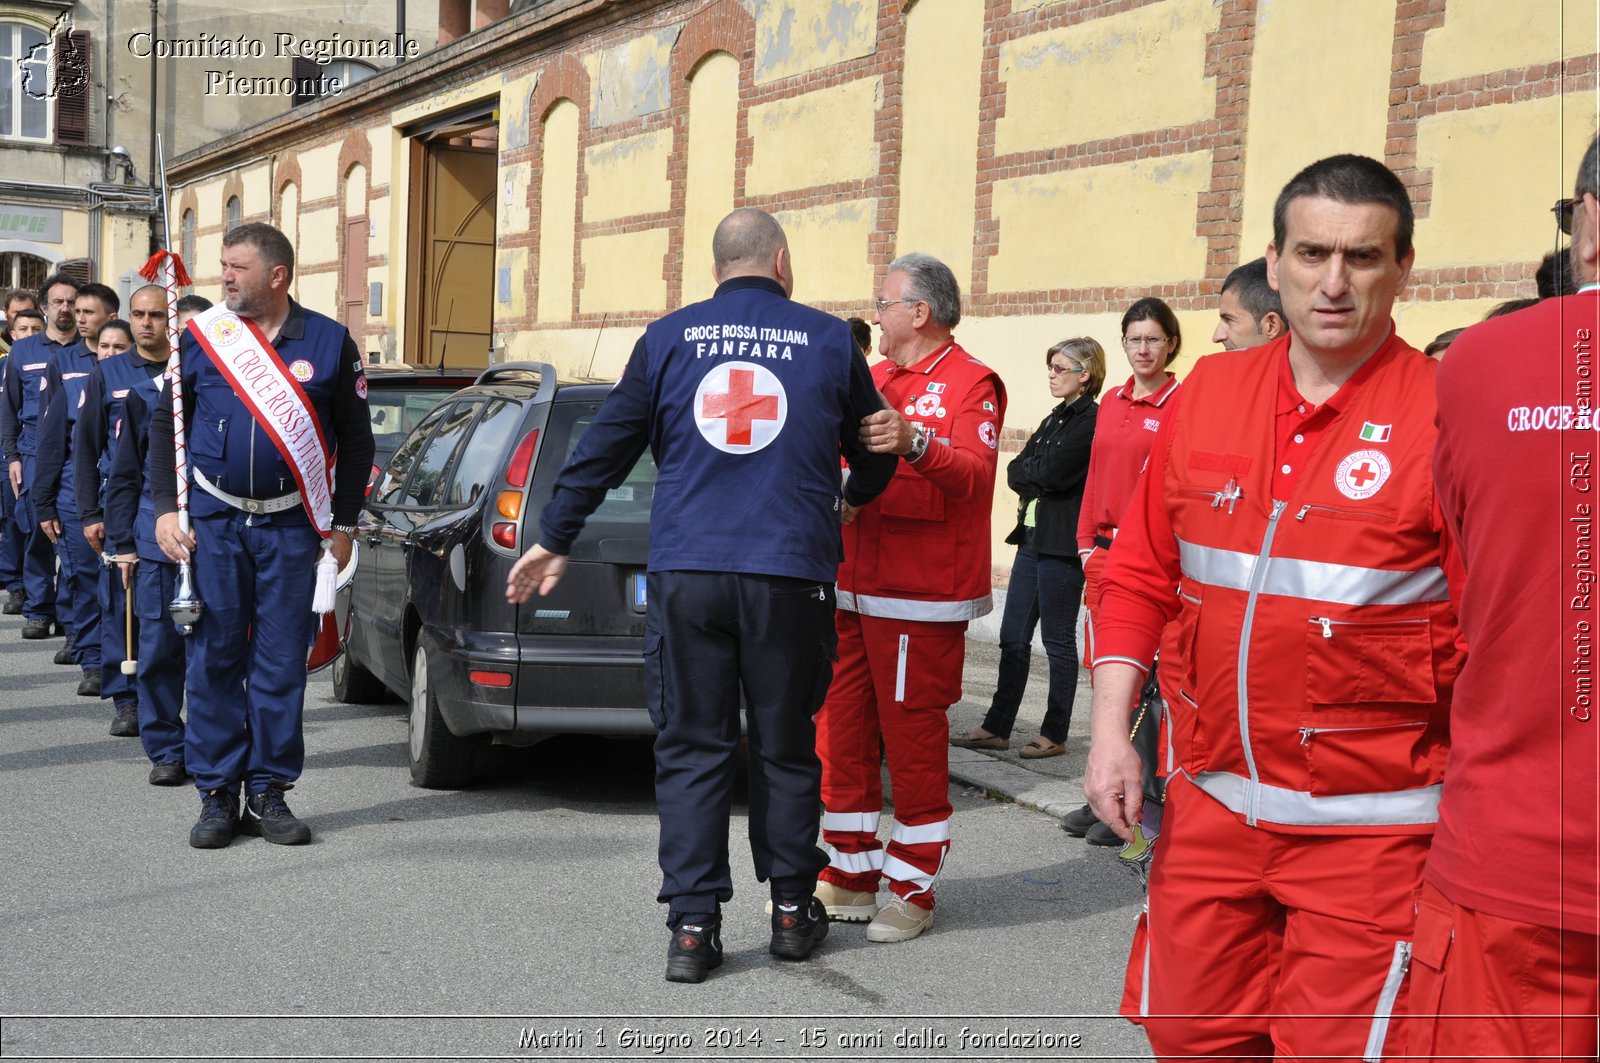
1144,975
857,822
1294,808
1321,581
900,669
900,871
1391,991
1144,669
921,834
912,609
855,863
1257,578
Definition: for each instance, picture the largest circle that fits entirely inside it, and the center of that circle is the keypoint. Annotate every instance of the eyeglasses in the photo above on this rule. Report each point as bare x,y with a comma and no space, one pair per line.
1134,343
1057,370
880,305
1563,212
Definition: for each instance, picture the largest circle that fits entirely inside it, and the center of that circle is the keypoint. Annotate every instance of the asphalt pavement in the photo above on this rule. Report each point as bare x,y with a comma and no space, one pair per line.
515,920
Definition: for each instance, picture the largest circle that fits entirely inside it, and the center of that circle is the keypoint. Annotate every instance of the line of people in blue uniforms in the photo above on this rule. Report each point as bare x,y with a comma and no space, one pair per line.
75,404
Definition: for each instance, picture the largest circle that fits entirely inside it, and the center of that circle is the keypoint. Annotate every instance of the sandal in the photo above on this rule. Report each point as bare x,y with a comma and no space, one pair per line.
972,741
1039,748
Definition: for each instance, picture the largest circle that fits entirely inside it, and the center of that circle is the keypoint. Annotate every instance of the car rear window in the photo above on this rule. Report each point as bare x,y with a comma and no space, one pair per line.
622,523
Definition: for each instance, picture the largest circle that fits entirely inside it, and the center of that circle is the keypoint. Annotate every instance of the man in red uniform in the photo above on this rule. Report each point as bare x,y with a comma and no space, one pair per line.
1505,963
916,569
1286,519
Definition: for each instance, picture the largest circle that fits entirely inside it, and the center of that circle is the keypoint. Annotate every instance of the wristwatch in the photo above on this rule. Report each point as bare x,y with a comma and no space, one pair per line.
348,529
919,444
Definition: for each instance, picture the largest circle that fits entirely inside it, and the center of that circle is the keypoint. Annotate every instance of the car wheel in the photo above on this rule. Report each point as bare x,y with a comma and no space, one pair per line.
439,759
353,684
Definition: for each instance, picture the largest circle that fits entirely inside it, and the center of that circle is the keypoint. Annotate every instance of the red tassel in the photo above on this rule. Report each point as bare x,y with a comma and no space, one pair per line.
151,271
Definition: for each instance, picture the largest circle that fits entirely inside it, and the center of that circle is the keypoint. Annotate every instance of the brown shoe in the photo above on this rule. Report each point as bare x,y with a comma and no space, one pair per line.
971,740
1039,748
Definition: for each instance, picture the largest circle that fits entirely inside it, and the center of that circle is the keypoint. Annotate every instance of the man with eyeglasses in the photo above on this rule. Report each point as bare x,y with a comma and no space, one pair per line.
1505,959
1286,522
916,570
20,412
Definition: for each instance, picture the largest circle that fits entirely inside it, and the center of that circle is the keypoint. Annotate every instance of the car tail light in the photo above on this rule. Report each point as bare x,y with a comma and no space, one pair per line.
372,479
522,460
509,504
490,679
504,534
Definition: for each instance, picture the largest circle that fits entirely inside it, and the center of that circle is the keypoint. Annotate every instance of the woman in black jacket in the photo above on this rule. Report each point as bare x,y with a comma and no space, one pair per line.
1047,576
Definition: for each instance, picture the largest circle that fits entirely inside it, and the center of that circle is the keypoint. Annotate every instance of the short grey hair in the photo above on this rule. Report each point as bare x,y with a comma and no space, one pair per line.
932,282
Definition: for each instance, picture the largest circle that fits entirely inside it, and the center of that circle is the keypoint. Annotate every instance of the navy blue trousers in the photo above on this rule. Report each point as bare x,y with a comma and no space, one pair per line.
80,577
38,554
163,653
11,540
247,656
710,637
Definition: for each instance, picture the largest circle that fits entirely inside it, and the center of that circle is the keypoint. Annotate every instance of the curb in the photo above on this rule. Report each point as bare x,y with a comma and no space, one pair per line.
997,778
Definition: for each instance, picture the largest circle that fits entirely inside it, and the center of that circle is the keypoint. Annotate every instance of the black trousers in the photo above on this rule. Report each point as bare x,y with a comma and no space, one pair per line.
710,636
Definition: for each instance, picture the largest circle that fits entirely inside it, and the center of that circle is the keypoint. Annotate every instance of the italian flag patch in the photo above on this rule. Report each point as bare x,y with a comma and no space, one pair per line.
1375,433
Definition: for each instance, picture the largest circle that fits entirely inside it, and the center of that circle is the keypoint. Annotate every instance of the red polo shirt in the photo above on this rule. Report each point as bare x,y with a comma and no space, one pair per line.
1124,430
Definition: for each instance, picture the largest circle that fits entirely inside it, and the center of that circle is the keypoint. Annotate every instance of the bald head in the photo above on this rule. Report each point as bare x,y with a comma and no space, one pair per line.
750,243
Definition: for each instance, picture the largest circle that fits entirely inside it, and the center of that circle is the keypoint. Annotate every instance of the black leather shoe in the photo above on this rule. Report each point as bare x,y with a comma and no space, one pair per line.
125,724
267,815
172,773
37,629
1100,834
64,654
694,951
89,687
13,604
1078,821
797,929
218,822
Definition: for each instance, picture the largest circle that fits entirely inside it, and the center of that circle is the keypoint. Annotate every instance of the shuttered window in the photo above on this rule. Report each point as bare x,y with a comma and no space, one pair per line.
72,88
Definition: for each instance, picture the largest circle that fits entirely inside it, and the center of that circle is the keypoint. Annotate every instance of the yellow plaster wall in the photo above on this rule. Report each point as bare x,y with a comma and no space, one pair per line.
289,213
1141,69
384,142
514,260
939,166
558,204
1496,170
1319,86
1479,36
818,138
1418,323
577,352
355,191
828,247
319,170
257,198
485,88
624,272
319,237
713,126
319,291
378,227
1129,223
628,176
794,36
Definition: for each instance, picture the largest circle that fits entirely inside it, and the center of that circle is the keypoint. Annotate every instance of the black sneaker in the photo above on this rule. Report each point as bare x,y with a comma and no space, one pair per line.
1078,822
267,815
218,822
13,604
694,951
64,654
1100,834
170,773
797,929
125,724
37,628
89,687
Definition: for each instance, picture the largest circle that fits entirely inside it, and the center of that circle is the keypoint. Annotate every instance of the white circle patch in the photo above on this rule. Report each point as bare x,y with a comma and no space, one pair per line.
1362,473
989,435
740,407
926,404
302,371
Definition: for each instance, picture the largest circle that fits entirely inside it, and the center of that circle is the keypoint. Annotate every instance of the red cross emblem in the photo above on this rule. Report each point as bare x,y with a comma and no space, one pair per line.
741,407
1363,474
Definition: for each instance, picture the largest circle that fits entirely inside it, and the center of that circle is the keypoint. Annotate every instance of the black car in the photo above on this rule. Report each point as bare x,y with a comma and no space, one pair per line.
455,507
399,396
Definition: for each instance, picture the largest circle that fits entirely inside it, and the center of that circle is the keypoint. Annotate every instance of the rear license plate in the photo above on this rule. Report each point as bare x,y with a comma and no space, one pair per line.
638,591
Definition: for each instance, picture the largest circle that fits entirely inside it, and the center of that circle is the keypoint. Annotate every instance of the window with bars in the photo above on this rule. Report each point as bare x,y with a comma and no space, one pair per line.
234,215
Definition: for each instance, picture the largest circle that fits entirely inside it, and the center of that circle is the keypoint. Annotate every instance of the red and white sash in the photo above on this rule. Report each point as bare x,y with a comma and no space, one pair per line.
276,401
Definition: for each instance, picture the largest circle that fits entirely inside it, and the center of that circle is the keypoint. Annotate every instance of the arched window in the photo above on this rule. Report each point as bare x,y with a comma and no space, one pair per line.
18,269
234,216
186,239
25,89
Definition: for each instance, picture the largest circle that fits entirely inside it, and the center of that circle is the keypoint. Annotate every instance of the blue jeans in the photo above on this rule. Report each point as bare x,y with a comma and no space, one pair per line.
1045,590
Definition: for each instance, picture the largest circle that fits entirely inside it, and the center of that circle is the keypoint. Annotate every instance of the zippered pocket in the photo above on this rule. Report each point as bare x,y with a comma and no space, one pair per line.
1376,514
1369,662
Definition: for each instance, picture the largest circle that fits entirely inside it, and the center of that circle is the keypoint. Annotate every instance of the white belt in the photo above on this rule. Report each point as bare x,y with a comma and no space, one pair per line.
248,505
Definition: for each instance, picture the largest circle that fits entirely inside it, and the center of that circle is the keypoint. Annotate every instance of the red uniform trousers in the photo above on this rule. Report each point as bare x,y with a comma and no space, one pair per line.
1270,945
1490,988
894,682
1093,568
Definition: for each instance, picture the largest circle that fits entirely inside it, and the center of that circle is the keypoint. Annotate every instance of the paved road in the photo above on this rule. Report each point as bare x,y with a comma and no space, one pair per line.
516,920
